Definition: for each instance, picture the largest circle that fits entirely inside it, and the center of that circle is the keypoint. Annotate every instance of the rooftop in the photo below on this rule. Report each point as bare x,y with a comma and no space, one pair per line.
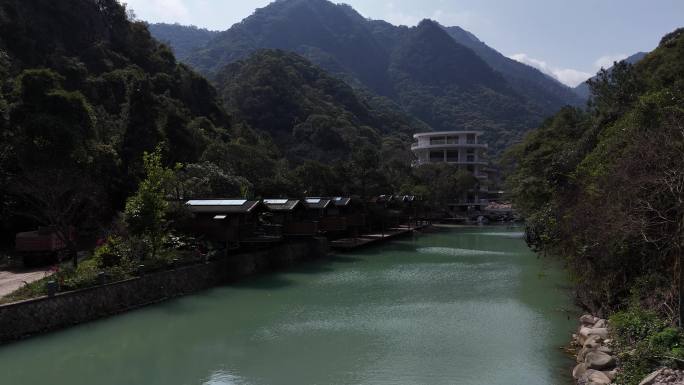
222,206
444,133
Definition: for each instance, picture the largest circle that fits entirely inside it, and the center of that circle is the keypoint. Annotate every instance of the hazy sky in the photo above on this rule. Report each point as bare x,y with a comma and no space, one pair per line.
569,39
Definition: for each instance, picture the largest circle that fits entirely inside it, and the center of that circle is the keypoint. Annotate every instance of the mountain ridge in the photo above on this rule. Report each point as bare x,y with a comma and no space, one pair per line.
455,89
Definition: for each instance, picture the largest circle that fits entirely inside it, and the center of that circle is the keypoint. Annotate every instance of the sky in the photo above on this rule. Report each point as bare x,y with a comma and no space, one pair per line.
567,39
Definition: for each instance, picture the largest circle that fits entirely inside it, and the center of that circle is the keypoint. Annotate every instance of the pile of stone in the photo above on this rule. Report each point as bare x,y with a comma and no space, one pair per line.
664,377
595,360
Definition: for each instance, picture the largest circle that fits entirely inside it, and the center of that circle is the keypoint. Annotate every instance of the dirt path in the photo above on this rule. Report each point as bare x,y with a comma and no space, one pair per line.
13,280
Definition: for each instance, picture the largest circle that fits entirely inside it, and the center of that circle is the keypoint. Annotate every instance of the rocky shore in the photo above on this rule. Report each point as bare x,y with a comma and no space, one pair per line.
597,364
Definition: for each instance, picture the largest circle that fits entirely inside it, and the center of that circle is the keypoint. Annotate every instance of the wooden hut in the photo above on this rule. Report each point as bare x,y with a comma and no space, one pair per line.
345,215
317,208
291,215
233,221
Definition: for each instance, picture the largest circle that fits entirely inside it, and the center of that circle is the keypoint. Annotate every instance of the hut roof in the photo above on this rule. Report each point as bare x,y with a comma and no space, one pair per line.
222,206
317,203
341,201
282,204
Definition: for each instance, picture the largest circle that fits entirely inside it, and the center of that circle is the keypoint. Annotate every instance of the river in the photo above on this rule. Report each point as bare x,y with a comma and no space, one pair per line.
461,306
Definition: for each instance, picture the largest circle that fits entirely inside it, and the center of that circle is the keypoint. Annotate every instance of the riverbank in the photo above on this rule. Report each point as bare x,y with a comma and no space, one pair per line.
467,306
23,319
606,355
596,363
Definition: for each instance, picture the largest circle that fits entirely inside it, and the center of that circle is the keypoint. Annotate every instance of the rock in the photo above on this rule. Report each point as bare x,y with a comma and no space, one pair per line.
579,371
651,378
586,332
592,342
596,377
588,320
611,374
601,323
605,349
599,360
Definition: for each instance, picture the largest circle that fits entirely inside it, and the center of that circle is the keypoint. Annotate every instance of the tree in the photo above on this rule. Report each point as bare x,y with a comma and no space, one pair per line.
146,210
207,180
365,171
444,183
60,199
316,179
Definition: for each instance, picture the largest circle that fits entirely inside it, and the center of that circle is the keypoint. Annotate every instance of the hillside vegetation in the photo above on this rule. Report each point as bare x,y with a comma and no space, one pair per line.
605,187
91,107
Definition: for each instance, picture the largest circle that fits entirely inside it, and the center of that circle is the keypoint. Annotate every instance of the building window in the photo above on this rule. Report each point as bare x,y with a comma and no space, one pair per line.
452,156
471,139
471,155
436,156
437,140
471,168
452,139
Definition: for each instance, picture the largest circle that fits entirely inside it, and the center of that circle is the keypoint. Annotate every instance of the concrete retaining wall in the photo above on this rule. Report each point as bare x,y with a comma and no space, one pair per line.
22,319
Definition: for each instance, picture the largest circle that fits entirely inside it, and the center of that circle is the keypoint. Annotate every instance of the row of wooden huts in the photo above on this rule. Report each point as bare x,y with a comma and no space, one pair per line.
245,222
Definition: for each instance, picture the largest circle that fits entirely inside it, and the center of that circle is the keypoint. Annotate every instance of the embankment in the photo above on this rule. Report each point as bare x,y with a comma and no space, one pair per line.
23,319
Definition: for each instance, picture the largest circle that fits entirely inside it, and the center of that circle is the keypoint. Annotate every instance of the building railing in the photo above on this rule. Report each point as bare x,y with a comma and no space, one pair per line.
418,146
419,162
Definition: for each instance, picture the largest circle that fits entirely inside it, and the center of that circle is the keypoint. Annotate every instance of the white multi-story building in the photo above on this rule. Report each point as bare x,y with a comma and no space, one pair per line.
460,149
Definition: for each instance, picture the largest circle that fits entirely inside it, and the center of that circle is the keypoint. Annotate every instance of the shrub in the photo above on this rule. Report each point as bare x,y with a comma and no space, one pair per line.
644,341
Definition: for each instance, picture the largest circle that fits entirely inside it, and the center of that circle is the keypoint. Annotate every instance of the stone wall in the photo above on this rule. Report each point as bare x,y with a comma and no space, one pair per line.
26,318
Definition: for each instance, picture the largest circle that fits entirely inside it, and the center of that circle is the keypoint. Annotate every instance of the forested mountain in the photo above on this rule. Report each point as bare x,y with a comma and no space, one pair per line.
583,89
545,91
454,89
604,188
182,39
84,93
309,114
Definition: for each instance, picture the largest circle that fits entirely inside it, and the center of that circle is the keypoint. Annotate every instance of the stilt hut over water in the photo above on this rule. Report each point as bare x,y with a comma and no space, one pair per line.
345,215
226,220
291,215
317,208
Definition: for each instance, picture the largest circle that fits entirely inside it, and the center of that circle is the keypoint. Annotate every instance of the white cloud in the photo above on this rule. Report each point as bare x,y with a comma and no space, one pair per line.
160,10
607,61
465,19
567,76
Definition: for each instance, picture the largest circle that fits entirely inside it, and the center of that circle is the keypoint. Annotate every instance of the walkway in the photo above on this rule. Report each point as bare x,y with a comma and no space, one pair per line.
13,280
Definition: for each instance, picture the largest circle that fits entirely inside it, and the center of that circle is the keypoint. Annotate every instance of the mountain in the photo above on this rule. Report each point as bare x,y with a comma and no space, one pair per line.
182,39
84,92
545,91
309,114
583,89
423,69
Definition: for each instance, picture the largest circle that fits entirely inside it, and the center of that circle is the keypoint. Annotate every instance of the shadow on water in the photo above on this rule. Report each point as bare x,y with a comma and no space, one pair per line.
277,280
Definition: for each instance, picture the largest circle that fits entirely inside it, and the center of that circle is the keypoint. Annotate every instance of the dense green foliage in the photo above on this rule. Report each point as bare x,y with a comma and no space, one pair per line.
605,187
422,69
309,114
85,92
583,89
644,342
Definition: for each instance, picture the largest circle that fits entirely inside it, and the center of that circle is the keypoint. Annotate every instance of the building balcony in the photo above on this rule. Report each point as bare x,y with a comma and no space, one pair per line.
470,202
444,145
419,162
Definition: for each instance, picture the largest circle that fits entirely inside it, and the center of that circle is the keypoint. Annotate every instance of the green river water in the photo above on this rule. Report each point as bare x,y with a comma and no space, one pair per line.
461,306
